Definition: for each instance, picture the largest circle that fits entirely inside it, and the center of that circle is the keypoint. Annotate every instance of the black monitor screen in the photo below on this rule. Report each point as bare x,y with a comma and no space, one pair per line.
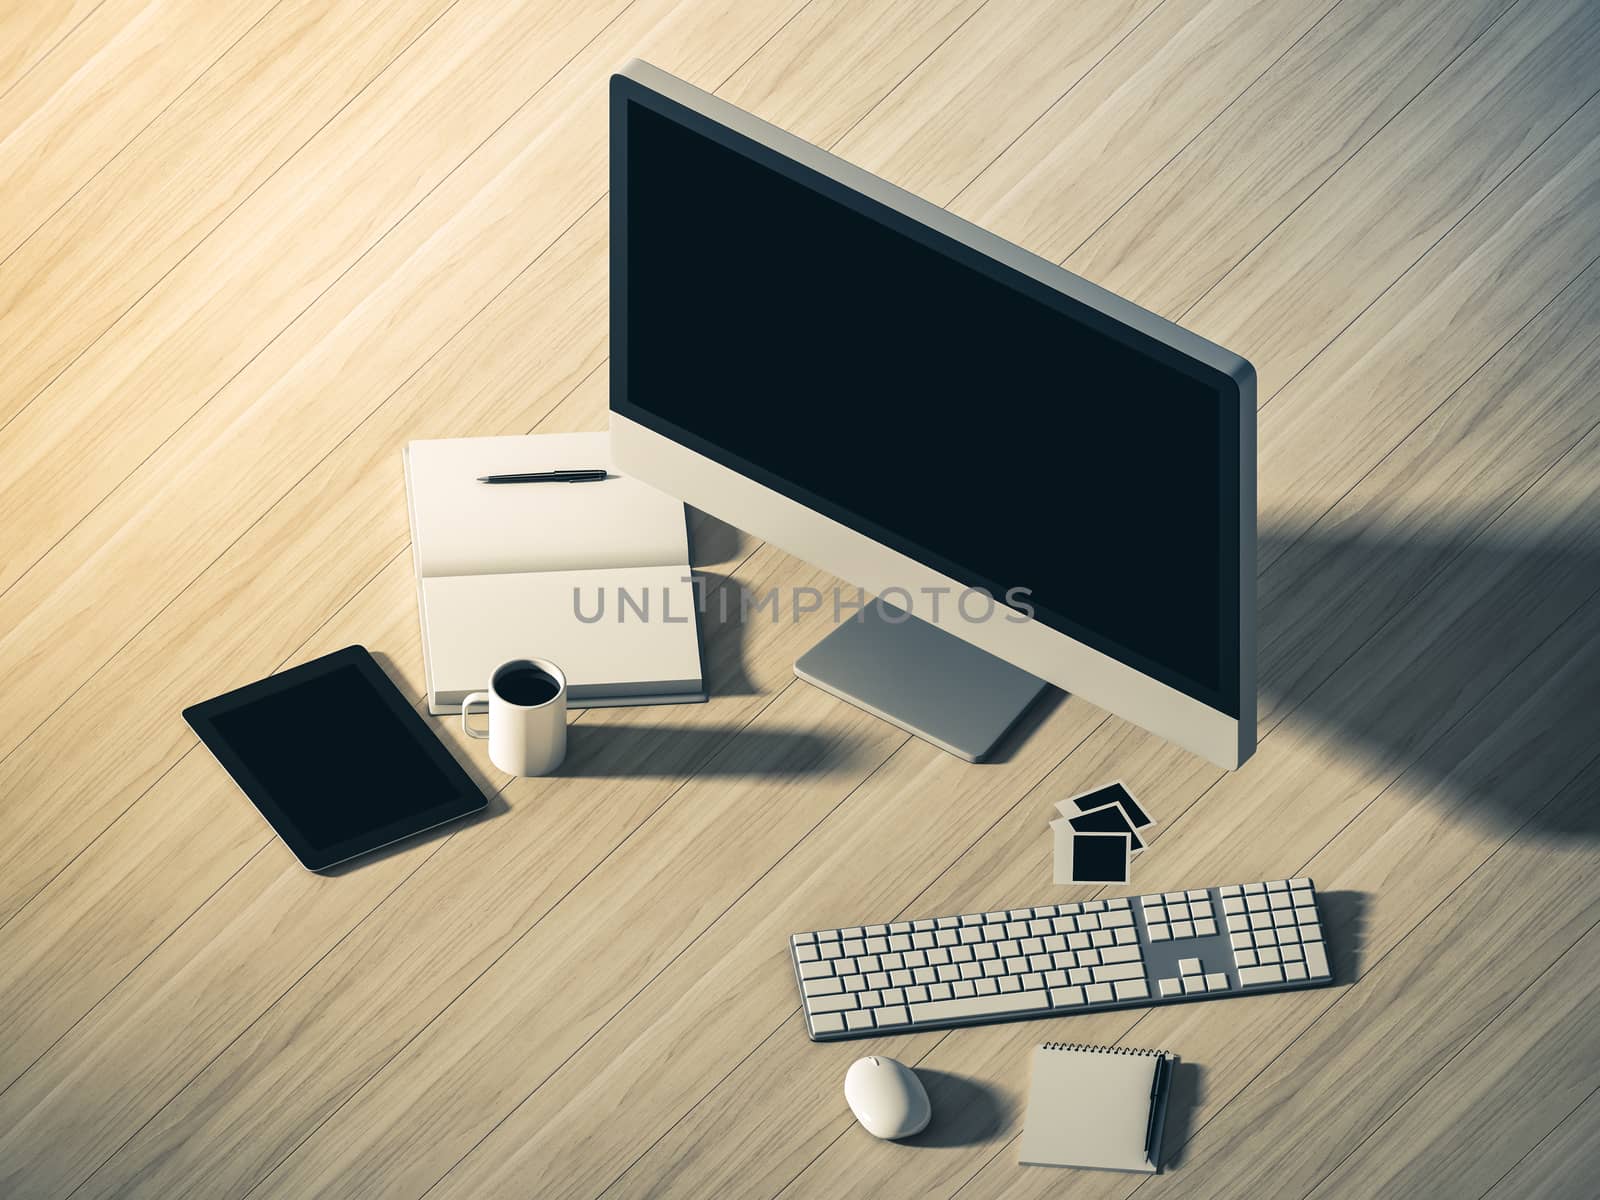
924,394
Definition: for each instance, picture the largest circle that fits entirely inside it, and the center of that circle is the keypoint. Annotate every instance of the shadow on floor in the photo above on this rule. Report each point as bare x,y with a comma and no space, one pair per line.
1476,659
965,1111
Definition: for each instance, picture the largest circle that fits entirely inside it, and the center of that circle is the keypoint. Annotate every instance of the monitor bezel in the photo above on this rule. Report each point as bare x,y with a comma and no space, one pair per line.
1202,724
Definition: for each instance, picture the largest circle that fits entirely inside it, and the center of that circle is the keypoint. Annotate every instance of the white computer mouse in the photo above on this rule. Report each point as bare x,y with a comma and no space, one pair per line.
886,1097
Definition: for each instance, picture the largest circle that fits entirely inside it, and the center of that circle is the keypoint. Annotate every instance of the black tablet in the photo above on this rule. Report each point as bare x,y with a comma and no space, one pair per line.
335,758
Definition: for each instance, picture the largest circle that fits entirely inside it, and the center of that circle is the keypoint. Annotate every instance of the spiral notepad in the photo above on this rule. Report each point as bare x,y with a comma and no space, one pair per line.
1096,1106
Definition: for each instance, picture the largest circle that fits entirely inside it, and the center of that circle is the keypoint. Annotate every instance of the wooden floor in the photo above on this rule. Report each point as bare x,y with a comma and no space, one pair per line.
251,248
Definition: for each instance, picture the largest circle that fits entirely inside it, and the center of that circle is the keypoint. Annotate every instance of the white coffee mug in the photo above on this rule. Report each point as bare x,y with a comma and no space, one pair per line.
527,730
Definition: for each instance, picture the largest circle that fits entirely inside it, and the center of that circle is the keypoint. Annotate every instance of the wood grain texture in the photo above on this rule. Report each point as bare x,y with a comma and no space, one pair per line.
308,231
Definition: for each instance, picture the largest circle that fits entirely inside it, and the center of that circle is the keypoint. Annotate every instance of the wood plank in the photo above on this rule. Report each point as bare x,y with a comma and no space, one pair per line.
956,113
165,359
1329,586
92,259
1190,64
1285,137
29,32
1562,1166
1490,1104
1433,329
95,91
1385,207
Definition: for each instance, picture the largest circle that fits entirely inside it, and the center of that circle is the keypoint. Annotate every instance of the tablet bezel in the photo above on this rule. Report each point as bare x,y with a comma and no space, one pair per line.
466,797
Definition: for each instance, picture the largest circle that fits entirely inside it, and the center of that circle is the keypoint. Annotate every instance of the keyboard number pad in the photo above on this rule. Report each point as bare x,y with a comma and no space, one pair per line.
1275,933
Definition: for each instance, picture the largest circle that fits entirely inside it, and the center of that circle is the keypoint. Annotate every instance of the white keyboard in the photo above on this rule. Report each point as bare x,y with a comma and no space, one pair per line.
1059,959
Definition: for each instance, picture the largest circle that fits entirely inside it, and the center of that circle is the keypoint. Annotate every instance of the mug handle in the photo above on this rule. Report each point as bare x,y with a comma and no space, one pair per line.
466,708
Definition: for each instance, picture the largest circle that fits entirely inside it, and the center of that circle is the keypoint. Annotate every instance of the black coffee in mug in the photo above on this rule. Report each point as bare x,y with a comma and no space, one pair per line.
527,686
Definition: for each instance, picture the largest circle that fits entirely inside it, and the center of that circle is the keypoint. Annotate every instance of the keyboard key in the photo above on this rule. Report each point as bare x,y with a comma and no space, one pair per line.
1244,958
1193,984
1316,960
1205,928
1292,952
1097,993
858,1020
985,987
1080,975
939,991
1132,989
823,987
1188,966
1127,937
827,1022
1216,981
963,987
1172,987
1252,976
1066,997
979,1006
1116,920
1115,971
1120,954
1160,933
1182,929
808,953
815,970
826,1004
1294,971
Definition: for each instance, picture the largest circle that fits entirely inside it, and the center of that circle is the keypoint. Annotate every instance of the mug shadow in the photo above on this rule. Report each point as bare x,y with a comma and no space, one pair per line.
610,751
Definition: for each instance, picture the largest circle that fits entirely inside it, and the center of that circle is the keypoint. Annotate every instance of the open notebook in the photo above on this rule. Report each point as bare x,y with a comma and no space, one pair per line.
505,570
1096,1106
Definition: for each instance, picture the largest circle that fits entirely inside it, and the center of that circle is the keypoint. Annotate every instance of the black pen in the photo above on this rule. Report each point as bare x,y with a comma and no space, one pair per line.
1157,1087
583,476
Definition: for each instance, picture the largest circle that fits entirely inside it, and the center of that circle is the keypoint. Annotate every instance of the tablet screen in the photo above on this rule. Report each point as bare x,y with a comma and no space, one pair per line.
335,758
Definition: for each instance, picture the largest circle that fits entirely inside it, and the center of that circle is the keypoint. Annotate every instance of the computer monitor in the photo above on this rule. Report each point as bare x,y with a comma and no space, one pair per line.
935,416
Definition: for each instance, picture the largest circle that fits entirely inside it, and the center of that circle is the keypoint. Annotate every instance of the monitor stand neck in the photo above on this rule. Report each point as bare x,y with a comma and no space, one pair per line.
926,681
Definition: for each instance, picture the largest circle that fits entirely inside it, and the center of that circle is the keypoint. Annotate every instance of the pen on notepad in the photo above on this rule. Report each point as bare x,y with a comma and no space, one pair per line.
593,475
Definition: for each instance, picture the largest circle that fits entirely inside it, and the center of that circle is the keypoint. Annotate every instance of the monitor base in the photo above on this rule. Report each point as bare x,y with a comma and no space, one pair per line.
928,682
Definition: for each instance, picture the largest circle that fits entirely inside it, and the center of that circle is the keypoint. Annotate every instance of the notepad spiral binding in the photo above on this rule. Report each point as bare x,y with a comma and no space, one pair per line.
1097,1049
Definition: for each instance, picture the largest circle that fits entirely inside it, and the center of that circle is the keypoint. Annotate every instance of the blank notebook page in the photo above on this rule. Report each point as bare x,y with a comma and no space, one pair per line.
1090,1107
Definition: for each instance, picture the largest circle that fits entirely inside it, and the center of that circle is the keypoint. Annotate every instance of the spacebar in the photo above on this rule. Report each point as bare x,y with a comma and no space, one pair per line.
979,1006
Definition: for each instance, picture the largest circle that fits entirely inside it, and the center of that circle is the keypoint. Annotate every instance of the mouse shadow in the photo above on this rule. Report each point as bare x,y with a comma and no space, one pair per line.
965,1112
1185,1091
